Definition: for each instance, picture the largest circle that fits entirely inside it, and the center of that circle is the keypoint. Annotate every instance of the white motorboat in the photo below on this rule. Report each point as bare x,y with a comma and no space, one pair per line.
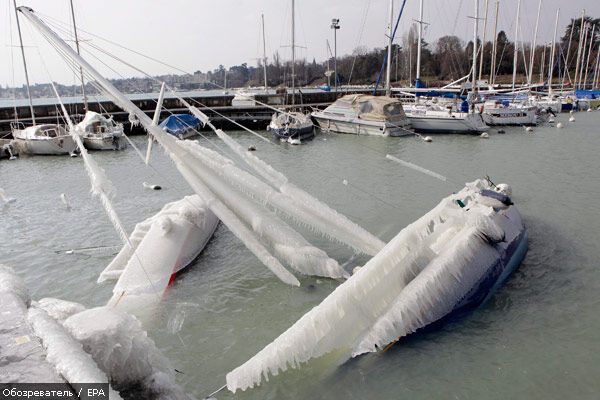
101,133
243,99
497,113
436,119
362,114
46,139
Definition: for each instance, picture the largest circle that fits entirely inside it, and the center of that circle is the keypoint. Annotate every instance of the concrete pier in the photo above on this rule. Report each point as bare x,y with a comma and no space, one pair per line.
22,356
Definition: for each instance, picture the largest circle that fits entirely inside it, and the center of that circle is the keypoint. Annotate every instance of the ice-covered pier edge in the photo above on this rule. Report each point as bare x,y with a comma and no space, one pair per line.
447,262
59,341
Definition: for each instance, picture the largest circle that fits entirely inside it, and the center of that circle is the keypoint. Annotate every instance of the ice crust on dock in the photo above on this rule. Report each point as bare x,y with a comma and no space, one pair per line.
121,348
414,280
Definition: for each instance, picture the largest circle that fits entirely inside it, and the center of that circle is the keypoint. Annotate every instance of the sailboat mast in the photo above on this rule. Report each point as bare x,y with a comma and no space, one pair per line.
587,63
293,53
579,48
388,88
516,53
262,16
24,64
483,38
475,31
420,39
551,66
583,52
494,47
85,103
532,57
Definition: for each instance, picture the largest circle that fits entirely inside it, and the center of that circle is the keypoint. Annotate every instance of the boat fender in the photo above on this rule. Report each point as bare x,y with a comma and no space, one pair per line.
501,197
165,224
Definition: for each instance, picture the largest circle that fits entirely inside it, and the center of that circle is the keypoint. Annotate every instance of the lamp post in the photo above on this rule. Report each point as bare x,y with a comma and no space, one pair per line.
335,25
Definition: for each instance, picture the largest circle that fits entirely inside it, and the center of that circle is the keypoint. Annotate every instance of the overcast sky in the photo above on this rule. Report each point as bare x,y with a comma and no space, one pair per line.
201,34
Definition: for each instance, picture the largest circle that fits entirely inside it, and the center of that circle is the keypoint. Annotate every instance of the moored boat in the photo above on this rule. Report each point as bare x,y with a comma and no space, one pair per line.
46,139
101,133
182,126
362,114
292,126
436,119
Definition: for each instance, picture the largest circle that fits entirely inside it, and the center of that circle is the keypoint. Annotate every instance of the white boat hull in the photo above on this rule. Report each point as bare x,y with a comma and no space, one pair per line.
104,143
46,146
506,117
472,123
360,127
163,245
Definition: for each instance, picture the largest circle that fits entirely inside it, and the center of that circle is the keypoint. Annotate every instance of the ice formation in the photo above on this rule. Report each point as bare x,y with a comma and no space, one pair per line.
204,184
417,278
65,353
10,282
161,246
121,348
59,309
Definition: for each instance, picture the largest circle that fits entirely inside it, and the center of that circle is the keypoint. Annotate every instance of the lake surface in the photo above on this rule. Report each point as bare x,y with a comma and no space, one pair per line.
539,337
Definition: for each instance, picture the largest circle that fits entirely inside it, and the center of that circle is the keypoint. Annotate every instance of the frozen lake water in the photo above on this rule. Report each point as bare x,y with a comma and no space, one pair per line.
537,338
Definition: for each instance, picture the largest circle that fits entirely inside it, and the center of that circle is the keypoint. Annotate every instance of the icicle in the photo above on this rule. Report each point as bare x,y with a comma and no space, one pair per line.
287,244
416,168
298,210
370,243
237,227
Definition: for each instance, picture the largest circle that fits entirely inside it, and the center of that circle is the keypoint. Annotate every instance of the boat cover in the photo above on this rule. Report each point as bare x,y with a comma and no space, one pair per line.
178,124
371,108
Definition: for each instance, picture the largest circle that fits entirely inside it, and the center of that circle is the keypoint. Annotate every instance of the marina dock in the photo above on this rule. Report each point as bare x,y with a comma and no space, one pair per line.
217,106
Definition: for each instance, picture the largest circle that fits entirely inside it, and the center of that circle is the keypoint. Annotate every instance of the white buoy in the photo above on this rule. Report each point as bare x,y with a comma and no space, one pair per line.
529,129
149,186
294,141
345,182
571,119
559,125
428,139
484,135
65,201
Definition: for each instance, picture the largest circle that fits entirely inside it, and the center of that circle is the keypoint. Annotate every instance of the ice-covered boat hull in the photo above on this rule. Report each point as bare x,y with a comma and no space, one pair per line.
444,264
162,245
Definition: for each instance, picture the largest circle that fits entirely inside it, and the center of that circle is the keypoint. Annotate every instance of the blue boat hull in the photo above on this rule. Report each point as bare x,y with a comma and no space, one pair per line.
497,274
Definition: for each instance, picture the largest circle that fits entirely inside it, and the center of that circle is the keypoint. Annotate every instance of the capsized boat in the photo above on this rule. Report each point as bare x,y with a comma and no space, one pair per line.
292,126
363,114
182,126
101,133
46,139
446,263
161,246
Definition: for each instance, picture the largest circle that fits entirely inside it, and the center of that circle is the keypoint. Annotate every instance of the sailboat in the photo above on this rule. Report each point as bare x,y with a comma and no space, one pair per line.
99,132
363,114
435,118
45,139
292,126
